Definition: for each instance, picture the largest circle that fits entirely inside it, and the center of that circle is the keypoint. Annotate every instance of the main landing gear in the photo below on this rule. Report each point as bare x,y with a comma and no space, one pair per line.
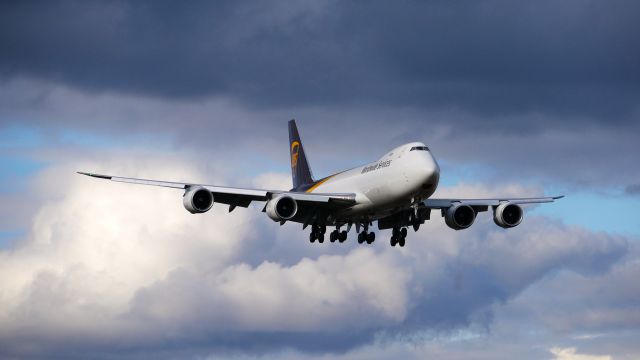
317,233
369,237
398,236
336,234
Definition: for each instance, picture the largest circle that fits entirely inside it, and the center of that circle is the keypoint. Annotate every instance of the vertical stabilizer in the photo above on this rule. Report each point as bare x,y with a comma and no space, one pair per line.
300,170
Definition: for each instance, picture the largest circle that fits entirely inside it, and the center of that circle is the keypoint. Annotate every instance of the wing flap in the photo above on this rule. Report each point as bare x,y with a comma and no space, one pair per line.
341,199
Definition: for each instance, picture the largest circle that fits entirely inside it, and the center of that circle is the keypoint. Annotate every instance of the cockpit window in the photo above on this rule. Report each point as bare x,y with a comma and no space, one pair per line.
422,148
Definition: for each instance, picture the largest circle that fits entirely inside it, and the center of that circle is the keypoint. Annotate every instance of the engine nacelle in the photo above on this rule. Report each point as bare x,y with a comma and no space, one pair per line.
282,208
197,200
507,215
459,216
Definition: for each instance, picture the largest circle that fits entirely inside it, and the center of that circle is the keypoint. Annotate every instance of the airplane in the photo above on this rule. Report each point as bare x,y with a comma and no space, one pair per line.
393,191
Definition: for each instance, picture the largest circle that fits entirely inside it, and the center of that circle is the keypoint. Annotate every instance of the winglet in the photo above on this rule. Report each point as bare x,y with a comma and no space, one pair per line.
557,197
107,177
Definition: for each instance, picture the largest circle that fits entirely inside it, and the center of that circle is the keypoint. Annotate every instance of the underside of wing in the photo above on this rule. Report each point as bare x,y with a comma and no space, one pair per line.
460,213
446,203
221,194
243,197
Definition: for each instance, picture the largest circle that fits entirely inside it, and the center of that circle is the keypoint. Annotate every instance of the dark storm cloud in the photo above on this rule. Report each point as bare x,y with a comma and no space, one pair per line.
491,57
555,83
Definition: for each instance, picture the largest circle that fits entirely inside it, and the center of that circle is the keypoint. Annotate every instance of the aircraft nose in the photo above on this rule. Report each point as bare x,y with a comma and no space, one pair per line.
429,171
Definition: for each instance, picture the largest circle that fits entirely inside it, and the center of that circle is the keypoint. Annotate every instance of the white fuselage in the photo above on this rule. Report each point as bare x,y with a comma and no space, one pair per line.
399,178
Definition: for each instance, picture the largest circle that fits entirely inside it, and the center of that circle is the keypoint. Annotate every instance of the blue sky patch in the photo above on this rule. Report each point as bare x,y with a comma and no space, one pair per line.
614,213
8,237
19,137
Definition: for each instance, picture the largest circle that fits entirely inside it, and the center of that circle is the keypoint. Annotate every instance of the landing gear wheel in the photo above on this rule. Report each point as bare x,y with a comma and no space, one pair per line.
343,236
393,240
320,238
403,232
371,237
312,237
361,238
401,242
333,236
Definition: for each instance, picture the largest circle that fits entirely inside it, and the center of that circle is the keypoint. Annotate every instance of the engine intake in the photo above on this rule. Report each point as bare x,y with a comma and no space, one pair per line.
507,215
197,200
459,216
282,208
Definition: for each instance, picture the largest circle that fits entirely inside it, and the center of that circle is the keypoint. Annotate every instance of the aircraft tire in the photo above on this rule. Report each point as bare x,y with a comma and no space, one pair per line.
395,232
371,237
343,236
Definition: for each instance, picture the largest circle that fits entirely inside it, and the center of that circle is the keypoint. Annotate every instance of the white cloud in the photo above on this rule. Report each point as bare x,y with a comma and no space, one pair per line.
587,305
103,260
108,263
273,181
571,354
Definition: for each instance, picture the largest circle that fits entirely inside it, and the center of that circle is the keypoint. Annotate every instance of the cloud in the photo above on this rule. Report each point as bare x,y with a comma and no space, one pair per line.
114,265
570,354
63,117
493,57
588,303
512,99
632,189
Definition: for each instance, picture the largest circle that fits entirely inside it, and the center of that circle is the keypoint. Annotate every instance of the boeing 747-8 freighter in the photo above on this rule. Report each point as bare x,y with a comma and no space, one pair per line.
393,191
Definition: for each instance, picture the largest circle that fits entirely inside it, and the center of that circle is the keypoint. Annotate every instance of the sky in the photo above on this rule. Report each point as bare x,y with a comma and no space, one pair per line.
513,99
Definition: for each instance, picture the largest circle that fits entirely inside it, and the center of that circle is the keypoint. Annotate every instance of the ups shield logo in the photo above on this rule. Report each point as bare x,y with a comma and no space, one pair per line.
295,149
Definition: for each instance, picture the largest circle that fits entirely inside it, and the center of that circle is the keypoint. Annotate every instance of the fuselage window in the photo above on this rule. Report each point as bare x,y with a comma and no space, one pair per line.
421,148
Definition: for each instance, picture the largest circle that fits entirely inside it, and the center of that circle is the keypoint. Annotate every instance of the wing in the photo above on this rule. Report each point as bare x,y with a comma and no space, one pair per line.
241,196
445,203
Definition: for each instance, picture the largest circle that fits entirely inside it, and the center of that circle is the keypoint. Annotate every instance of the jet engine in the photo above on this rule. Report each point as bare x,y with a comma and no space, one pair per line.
459,216
507,215
197,200
282,208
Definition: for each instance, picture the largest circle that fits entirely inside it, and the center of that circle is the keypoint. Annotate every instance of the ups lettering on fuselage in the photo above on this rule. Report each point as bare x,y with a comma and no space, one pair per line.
377,166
